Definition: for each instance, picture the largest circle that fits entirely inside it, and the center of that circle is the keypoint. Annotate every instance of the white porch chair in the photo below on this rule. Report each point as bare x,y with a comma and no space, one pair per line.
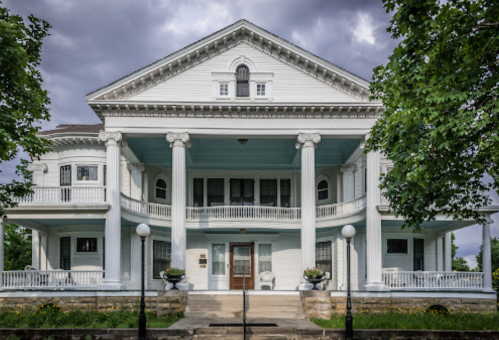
325,281
267,279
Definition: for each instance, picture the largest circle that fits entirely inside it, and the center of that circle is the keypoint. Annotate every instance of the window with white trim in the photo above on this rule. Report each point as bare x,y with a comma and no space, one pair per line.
86,245
218,259
264,258
396,246
161,188
323,190
224,89
86,172
260,89
161,257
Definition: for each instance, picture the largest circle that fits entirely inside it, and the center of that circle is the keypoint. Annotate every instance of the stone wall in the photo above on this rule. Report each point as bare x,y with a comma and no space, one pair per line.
165,302
320,304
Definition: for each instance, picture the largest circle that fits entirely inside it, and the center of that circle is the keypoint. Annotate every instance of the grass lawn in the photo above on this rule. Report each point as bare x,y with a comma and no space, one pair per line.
457,321
52,317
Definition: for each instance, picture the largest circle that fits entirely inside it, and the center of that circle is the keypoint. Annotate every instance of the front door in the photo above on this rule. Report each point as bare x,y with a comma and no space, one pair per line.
242,264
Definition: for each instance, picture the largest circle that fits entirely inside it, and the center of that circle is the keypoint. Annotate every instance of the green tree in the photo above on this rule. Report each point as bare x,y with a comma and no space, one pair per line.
17,242
458,263
494,247
441,123
23,102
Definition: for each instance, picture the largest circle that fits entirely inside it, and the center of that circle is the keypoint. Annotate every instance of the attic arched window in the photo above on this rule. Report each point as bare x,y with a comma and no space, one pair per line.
242,79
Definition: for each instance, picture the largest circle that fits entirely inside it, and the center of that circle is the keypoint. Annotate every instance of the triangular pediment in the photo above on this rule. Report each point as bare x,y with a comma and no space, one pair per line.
274,57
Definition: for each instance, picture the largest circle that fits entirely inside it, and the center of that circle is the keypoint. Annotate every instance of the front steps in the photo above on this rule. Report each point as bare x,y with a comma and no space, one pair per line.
279,306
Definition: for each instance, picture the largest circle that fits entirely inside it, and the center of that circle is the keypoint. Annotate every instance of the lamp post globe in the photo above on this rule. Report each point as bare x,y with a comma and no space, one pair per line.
143,231
348,232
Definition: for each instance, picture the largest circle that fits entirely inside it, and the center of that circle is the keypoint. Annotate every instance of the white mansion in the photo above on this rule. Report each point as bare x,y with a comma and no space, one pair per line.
240,149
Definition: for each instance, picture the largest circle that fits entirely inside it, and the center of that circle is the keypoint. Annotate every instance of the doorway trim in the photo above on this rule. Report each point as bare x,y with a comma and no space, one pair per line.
231,259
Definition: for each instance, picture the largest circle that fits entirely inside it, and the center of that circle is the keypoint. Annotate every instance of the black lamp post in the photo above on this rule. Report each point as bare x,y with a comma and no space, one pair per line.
348,232
143,231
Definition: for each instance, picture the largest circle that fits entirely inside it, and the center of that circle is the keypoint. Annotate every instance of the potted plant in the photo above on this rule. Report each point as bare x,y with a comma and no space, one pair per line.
174,276
314,276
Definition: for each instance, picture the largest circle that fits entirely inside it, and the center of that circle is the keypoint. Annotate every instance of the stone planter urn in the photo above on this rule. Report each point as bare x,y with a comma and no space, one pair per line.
315,281
174,279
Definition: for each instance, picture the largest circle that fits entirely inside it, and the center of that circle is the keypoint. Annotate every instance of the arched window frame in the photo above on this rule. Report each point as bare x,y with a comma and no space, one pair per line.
318,180
167,189
243,83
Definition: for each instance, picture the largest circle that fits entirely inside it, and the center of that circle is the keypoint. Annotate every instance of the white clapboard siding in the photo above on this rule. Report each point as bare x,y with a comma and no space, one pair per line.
286,260
289,85
197,245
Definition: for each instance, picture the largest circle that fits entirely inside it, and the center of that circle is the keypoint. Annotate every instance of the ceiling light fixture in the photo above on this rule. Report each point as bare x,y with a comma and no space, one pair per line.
242,141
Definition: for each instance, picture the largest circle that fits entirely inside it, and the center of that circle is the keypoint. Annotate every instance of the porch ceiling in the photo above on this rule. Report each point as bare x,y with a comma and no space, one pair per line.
441,226
229,154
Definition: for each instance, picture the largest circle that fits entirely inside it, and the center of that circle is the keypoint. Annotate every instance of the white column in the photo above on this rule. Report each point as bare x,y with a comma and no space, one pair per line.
440,253
486,255
43,251
113,218
1,253
178,142
35,249
38,170
307,143
348,181
136,170
373,224
135,258
448,252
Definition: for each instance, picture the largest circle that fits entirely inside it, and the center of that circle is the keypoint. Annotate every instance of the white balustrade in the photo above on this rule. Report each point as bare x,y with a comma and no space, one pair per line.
267,213
433,280
331,211
52,279
146,208
61,195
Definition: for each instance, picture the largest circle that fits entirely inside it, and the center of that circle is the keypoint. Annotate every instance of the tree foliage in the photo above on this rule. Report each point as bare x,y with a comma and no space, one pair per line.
17,242
23,102
441,123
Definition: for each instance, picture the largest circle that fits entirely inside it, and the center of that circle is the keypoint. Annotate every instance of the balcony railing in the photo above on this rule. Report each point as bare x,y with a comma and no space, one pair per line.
433,280
266,213
52,279
62,195
163,211
342,209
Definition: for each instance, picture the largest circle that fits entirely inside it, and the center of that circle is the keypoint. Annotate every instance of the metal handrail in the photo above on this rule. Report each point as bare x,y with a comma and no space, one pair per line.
244,303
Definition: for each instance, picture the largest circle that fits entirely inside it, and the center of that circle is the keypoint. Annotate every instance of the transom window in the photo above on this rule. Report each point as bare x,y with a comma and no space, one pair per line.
86,245
242,79
161,257
161,188
260,89
86,172
396,246
224,89
323,190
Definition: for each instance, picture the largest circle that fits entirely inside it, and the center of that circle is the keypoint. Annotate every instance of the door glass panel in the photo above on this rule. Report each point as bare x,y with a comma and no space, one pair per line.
265,258
218,259
242,261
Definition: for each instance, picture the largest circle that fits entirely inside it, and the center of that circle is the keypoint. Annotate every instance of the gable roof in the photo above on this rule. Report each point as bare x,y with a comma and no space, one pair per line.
219,42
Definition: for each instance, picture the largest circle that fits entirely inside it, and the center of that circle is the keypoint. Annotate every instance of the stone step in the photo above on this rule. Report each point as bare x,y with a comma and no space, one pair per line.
236,308
239,314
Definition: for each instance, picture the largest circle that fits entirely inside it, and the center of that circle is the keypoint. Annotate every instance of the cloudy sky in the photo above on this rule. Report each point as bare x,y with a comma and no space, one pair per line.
95,42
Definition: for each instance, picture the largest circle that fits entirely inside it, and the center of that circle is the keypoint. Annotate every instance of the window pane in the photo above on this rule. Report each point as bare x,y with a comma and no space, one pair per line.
268,192
65,253
396,246
216,191
218,259
86,245
285,192
198,192
264,258
242,75
322,185
323,256
86,173
162,252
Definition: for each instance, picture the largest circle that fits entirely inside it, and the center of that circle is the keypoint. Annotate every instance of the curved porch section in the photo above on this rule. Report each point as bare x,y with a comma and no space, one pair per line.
258,216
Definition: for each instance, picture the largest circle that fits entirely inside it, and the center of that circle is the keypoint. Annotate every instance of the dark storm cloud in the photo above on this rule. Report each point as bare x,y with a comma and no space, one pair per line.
95,42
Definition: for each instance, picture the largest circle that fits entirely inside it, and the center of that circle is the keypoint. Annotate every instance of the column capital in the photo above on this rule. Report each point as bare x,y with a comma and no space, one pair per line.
307,140
178,139
488,219
110,137
349,168
135,167
38,167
